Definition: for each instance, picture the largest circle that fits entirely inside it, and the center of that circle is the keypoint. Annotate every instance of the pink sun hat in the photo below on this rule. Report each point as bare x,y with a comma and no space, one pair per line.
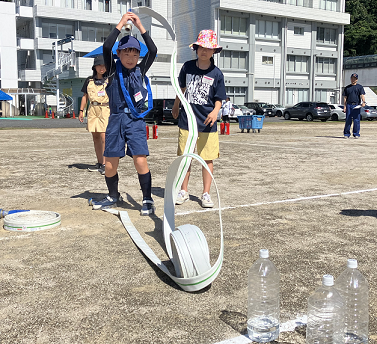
207,39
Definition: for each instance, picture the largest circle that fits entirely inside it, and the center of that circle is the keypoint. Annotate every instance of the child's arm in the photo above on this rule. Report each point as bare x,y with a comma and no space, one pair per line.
148,59
84,101
212,116
177,102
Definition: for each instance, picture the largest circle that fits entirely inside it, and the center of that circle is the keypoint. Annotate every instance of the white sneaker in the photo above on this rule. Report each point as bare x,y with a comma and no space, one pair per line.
182,197
206,201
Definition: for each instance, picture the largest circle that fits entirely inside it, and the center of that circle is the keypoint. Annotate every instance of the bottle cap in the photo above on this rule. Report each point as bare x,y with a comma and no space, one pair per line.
352,263
263,253
328,280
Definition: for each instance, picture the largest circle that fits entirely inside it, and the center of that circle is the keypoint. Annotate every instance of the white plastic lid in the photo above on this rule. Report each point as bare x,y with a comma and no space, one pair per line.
263,253
328,280
352,263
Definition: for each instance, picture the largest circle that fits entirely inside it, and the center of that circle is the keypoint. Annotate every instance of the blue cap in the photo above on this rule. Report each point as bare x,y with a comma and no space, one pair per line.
354,75
129,42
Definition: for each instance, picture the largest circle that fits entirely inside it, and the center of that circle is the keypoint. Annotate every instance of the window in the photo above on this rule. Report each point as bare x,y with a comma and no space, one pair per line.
297,95
122,6
325,65
304,3
104,5
298,30
88,5
267,60
297,64
330,5
267,29
321,96
233,25
236,94
139,3
232,59
325,35
49,2
60,31
147,3
93,34
66,3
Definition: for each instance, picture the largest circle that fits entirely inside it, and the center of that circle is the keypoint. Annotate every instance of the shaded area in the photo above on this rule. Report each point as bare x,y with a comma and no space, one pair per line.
359,212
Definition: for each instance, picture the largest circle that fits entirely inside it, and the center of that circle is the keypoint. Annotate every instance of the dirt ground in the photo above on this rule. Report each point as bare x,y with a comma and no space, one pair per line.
297,188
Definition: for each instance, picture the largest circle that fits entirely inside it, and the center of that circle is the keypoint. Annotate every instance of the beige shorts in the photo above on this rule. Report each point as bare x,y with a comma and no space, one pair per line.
207,144
98,117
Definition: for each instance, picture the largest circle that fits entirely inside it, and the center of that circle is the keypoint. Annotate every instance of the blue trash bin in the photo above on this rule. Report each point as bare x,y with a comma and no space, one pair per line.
257,122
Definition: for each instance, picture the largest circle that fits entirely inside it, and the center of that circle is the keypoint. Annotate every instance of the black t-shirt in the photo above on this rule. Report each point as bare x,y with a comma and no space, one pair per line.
203,89
353,92
98,82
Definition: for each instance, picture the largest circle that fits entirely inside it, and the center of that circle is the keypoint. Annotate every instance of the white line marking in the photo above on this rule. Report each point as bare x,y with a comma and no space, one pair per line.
276,202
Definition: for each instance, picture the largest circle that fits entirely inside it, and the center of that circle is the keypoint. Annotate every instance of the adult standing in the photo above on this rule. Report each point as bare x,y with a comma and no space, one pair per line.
354,96
99,110
227,109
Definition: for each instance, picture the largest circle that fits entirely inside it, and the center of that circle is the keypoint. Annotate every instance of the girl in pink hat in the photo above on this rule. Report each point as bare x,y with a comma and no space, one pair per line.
203,86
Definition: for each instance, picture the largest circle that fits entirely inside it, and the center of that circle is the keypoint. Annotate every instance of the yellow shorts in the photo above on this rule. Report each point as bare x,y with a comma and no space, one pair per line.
207,144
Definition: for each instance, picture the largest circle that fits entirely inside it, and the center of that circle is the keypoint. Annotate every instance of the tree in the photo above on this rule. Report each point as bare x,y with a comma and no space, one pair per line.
360,37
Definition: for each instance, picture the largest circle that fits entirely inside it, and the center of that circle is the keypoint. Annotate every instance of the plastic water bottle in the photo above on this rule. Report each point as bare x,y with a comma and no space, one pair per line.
263,311
325,315
353,287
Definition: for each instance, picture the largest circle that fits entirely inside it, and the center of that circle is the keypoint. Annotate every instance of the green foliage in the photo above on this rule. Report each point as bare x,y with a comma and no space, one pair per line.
360,37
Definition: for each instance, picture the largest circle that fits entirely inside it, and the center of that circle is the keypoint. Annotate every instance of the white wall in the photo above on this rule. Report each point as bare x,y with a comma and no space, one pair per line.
8,45
299,41
267,71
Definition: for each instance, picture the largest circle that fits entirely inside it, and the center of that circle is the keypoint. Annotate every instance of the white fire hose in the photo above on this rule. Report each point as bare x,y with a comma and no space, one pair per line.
186,245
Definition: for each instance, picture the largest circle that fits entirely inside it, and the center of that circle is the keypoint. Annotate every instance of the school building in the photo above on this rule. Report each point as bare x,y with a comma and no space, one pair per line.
278,51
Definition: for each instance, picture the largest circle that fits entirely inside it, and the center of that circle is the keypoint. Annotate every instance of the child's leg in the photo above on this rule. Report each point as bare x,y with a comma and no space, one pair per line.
99,146
111,176
186,180
207,179
145,177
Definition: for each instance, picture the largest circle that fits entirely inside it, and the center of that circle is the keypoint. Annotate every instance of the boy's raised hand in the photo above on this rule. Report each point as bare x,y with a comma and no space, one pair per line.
135,20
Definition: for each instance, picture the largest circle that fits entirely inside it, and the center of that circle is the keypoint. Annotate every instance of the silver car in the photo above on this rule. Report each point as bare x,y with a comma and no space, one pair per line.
278,110
368,112
337,113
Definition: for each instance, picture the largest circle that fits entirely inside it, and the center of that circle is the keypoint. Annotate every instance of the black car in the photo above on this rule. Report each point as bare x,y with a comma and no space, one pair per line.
161,112
260,108
308,110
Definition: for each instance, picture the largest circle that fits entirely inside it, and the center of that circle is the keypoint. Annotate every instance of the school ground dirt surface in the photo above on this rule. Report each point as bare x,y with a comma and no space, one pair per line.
297,188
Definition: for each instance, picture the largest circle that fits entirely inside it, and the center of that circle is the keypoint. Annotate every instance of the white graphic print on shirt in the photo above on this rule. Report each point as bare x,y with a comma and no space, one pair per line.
198,87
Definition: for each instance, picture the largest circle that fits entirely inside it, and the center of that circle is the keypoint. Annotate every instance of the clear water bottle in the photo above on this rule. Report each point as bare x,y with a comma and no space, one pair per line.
325,315
263,311
353,287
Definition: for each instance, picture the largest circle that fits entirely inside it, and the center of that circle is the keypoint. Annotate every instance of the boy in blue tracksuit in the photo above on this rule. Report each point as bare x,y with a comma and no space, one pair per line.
126,100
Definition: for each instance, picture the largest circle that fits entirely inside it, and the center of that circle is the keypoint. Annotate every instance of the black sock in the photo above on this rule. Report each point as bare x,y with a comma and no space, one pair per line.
112,185
145,181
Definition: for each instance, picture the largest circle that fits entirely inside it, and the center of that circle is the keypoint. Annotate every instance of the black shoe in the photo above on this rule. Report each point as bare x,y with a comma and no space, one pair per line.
148,207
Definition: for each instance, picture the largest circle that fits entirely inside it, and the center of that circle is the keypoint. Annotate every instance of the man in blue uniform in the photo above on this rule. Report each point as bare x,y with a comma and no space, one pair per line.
354,98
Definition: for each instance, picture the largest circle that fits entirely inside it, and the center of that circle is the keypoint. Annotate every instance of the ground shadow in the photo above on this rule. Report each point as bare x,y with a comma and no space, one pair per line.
236,320
80,166
158,191
359,212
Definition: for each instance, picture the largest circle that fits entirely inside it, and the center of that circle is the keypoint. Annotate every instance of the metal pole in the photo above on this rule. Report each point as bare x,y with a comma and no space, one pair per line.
57,76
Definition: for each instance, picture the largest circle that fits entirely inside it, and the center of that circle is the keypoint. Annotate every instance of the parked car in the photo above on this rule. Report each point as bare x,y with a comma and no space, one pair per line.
277,110
246,111
308,110
259,107
233,113
368,112
161,112
337,112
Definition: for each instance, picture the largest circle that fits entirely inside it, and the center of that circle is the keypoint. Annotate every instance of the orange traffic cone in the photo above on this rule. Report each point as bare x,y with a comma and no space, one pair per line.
53,115
73,114
46,114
